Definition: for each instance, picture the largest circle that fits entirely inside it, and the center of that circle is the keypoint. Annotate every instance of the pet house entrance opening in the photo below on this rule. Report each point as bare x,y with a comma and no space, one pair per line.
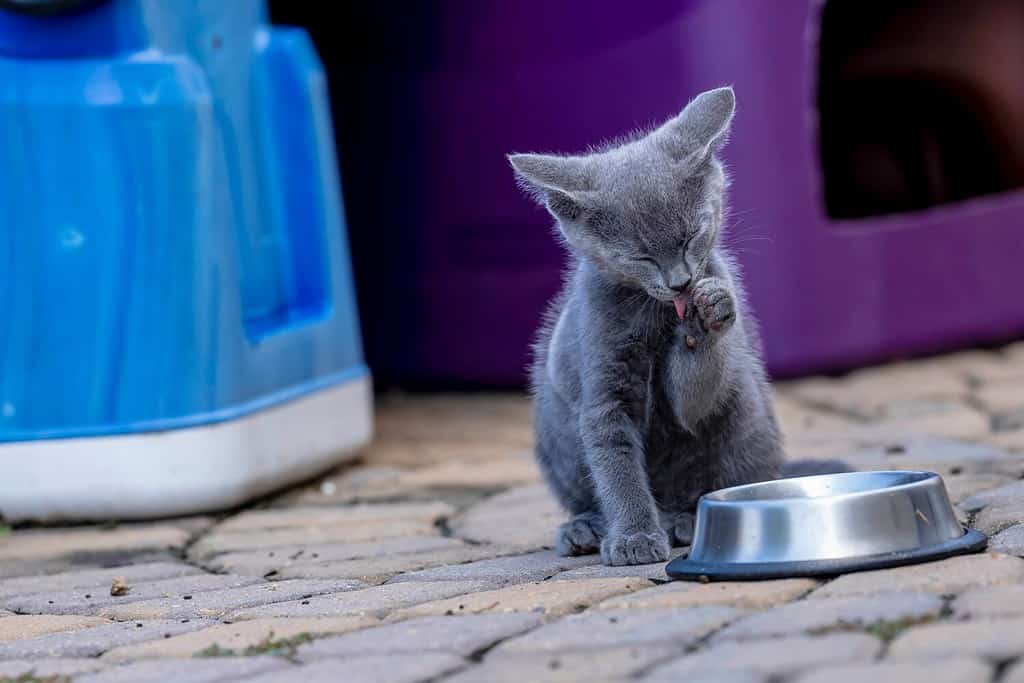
920,103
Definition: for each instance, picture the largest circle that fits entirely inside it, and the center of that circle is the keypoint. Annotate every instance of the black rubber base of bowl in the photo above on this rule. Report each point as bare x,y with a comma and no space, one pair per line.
689,570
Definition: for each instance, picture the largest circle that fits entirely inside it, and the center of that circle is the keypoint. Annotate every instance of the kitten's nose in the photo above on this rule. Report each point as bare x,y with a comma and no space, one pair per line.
680,284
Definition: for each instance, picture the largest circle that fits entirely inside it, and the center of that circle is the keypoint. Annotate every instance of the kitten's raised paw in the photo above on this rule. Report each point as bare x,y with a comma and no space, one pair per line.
638,548
581,535
714,305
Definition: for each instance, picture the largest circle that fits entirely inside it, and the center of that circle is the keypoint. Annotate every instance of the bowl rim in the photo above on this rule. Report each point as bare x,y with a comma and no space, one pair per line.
711,498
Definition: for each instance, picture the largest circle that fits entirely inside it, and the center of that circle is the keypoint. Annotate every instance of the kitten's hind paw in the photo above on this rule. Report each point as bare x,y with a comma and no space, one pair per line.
679,527
639,548
581,535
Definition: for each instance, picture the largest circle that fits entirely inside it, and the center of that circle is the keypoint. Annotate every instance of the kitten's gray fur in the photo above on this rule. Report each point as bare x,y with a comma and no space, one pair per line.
638,413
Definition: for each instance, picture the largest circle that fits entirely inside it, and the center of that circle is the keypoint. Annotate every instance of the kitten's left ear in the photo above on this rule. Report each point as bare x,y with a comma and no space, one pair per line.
701,127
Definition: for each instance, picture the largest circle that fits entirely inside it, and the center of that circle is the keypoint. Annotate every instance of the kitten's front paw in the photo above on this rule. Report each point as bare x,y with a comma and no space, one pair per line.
638,548
714,305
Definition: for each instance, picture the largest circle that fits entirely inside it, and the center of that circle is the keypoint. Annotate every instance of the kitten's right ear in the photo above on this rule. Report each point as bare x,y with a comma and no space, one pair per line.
555,182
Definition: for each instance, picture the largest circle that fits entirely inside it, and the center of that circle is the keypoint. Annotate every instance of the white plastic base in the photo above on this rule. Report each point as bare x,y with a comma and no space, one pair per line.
185,471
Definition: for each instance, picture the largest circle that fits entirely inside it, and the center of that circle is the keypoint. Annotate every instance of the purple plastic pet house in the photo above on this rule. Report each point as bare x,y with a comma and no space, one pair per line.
881,223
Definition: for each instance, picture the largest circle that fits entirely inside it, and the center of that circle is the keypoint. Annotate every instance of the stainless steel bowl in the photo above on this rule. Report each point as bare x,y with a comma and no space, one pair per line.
823,525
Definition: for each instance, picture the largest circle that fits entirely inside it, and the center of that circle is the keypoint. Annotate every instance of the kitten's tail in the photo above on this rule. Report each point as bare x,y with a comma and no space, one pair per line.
806,468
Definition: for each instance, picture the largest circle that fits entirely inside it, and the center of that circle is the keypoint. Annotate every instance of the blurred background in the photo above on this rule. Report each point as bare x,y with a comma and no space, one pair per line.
203,281
875,159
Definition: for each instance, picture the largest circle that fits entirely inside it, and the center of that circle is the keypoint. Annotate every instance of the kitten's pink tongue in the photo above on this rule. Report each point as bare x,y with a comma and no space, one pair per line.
680,302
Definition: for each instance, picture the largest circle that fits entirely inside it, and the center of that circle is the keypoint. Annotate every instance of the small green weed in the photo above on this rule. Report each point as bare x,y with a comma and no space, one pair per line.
30,677
887,630
883,629
282,647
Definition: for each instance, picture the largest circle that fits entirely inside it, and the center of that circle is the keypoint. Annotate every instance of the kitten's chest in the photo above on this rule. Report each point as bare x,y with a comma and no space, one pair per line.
680,388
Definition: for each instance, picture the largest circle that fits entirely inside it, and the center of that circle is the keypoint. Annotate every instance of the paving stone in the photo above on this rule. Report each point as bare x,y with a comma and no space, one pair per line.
682,594
613,663
46,668
217,603
82,562
472,418
1007,421
1014,354
1009,541
216,543
976,364
90,642
954,420
955,670
512,470
649,572
963,486
356,485
796,418
1001,495
1004,495
944,456
1014,674
351,485
997,397
28,626
94,578
91,544
996,640
818,616
390,483
375,570
1011,441
399,452
729,676
777,658
292,518
945,577
615,628
871,393
460,635
394,668
204,670
504,570
261,562
91,600
828,445
990,603
237,637
526,517
193,524
549,598
375,601
996,517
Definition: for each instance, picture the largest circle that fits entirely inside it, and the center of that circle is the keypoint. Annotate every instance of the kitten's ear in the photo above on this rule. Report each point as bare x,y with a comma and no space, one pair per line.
701,127
558,183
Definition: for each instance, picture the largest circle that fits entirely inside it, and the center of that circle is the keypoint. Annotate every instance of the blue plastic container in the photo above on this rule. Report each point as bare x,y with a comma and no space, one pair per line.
178,328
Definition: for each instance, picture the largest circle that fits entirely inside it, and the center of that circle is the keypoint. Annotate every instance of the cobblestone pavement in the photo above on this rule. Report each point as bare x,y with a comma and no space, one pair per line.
430,560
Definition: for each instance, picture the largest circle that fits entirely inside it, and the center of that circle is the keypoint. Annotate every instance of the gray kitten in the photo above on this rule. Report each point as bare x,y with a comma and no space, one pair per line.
649,385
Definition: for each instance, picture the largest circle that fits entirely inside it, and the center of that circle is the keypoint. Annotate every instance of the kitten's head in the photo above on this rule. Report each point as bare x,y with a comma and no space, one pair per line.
647,212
